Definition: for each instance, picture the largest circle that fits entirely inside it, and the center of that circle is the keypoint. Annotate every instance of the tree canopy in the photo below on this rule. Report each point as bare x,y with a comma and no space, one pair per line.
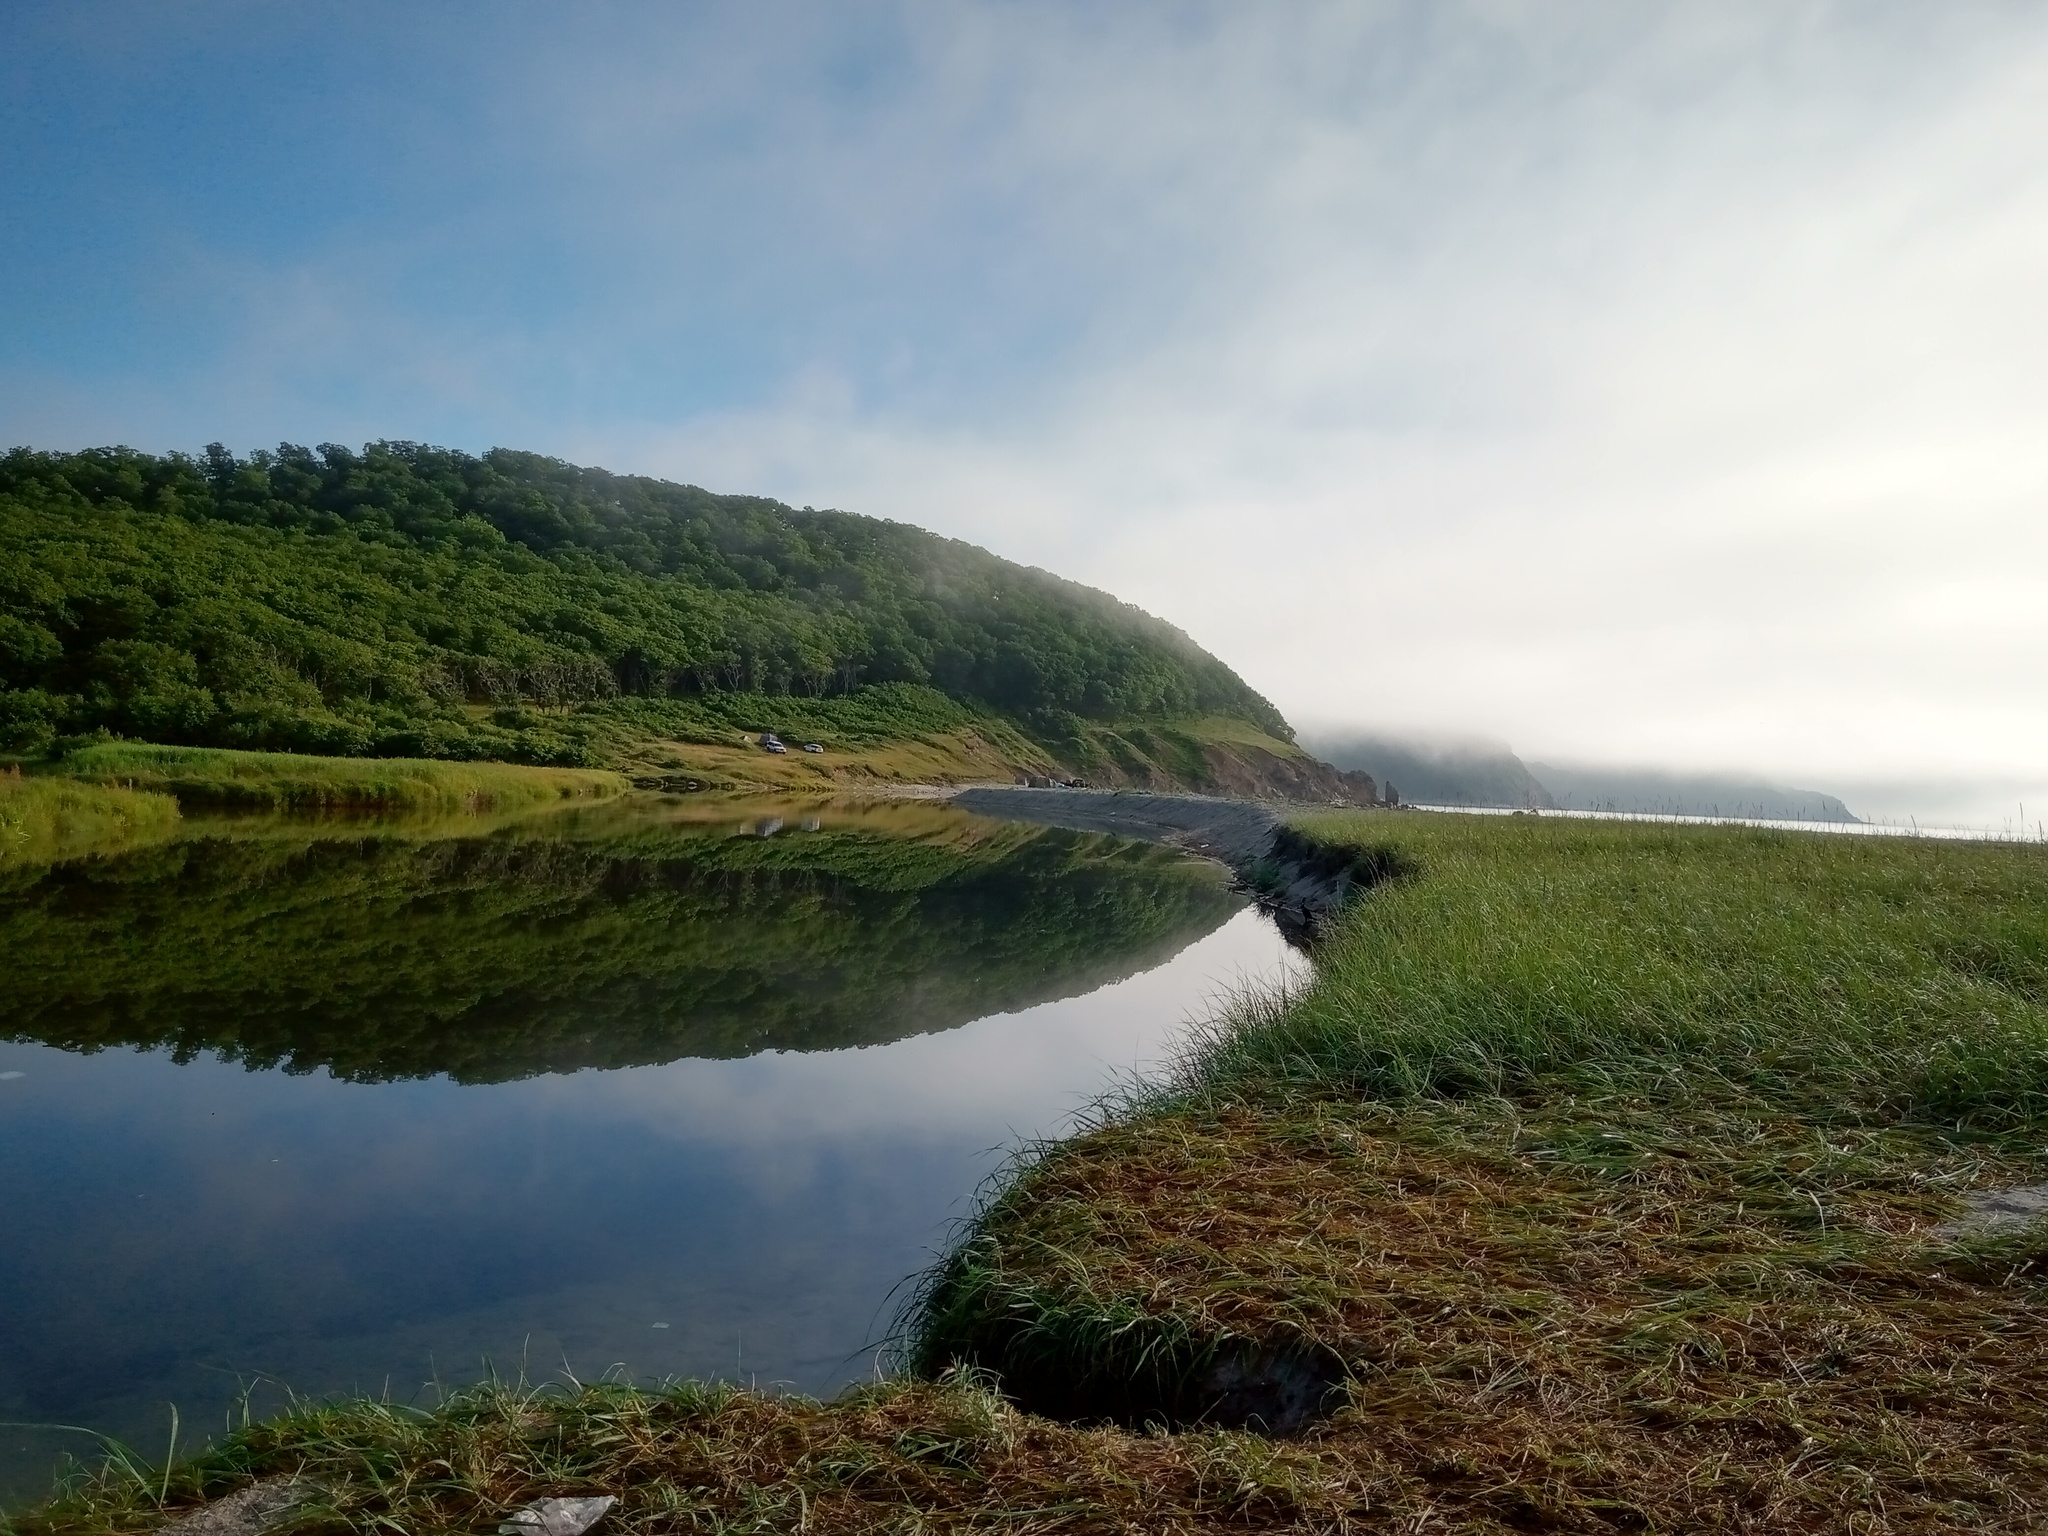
355,602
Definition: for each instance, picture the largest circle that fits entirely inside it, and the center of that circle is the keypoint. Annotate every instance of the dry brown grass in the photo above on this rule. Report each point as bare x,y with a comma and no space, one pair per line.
1596,1317
901,1457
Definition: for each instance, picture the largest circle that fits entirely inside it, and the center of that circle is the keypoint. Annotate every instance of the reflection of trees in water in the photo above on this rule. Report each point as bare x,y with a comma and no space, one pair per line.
500,957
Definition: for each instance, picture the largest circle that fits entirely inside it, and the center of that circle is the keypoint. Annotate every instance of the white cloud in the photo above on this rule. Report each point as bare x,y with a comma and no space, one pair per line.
1664,390
1656,384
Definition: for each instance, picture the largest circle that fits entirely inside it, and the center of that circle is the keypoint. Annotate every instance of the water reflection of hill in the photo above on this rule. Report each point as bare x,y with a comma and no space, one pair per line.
605,940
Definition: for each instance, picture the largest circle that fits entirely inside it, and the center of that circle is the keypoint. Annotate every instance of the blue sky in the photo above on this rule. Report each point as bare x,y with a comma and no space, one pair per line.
495,215
1654,384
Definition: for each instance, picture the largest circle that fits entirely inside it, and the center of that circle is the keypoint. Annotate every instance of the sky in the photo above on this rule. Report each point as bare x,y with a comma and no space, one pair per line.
1651,384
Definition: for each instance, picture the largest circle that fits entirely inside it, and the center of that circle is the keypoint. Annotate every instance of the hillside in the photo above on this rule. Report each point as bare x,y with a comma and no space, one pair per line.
415,601
1436,772
1649,791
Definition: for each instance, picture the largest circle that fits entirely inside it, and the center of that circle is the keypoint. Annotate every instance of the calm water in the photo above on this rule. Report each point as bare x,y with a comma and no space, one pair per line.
673,1089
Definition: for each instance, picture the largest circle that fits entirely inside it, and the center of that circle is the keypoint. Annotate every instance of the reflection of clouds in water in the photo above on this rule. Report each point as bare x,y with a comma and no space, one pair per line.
774,1121
1009,1076
333,1234
776,1124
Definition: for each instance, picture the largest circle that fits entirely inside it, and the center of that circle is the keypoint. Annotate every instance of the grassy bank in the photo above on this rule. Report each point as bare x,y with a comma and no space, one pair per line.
1603,1164
898,1457
1602,1167
288,781
44,820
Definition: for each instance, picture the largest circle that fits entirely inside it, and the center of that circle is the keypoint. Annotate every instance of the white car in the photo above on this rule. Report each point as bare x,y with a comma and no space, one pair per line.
812,746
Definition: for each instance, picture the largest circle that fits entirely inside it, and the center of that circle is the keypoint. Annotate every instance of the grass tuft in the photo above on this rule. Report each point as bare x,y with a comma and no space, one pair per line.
950,1455
43,821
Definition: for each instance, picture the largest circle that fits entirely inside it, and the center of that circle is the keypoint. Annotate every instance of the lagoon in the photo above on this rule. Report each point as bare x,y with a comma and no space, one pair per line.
661,1087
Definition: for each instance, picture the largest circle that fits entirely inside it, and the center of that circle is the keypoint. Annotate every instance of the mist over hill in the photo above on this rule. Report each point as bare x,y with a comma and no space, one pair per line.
1441,772
1650,791
1477,772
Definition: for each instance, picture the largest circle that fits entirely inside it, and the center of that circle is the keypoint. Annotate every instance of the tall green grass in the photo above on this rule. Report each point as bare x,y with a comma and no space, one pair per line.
44,820
1867,976
1609,1165
289,781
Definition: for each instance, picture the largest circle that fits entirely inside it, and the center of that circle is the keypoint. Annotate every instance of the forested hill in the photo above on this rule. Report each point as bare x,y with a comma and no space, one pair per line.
368,602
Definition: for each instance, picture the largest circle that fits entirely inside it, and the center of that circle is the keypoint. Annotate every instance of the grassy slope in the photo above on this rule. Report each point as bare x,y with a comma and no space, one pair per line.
1213,755
899,734
1608,1158
912,734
